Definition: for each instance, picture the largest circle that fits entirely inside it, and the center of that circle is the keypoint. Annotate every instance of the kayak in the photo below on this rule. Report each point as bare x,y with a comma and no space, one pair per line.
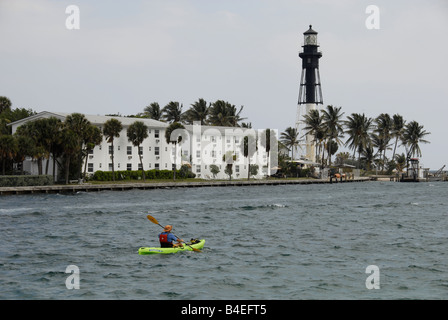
197,244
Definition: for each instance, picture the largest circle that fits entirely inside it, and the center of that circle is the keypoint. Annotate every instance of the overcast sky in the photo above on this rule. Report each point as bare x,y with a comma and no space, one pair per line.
128,54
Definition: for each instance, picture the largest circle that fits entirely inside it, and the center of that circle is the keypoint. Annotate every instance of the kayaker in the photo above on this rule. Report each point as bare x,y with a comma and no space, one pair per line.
167,239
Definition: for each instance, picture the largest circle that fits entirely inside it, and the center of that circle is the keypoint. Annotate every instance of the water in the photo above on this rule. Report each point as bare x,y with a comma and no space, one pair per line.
262,242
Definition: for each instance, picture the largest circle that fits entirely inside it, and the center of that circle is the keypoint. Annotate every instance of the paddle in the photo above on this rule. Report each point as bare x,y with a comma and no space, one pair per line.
154,220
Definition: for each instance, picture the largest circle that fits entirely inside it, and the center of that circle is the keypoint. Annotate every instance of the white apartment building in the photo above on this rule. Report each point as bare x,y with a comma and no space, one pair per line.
201,147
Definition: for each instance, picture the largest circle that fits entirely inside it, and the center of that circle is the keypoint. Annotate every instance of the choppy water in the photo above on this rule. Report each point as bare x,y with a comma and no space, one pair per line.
263,242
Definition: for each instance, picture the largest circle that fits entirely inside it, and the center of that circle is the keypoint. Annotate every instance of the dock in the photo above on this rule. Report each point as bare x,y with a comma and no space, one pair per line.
87,187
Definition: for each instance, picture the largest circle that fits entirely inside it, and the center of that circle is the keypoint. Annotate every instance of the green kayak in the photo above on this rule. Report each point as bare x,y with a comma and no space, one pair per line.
188,246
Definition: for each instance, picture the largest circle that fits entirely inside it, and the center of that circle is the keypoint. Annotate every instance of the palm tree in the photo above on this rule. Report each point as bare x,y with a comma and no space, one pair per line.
79,125
111,130
400,162
249,147
397,130
290,138
137,133
70,147
178,139
383,129
153,111
92,137
25,146
224,114
368,157
8,149
34,129
332,125
313,126
413,135
198,112
269,141
358,129
5,104
51,137
172,112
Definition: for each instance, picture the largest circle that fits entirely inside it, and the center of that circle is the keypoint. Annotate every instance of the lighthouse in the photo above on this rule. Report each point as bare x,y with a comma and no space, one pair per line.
310,92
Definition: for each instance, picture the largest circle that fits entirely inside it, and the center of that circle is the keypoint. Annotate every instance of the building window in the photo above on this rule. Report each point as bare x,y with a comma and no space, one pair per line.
90,151
129,166
198,153
139,166
237,168
149,148
156,151
156,166
156,133
140,151
198,169
129,150
110,166
90,167
110,149
149,165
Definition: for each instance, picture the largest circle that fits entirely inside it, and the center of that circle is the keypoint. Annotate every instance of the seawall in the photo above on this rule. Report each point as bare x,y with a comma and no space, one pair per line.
86,187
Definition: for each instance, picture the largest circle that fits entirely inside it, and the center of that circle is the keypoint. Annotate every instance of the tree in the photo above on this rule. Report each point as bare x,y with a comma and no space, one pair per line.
249,147
397,130
224,114
5,104
70,147
35,130
313,126
79,125
290,138
174,128
214,169
25,146
358,129
8,149
172,112
332,125
198,112
153,111
92,137
137,133
269,136
368,157
111,130
400,162
229,158
253,169
383,129
413,135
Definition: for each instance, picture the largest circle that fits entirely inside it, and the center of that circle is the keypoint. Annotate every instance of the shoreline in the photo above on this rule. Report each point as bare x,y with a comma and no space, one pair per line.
86,187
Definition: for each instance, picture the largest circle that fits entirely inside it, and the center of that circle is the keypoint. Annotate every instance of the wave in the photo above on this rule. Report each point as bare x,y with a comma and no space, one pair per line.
267,206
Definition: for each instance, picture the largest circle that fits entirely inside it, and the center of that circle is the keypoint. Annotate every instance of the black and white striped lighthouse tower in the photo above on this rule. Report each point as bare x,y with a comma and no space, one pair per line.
310,92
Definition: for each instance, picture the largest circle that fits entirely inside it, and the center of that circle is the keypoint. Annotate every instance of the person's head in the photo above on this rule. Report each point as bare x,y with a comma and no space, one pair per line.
168,228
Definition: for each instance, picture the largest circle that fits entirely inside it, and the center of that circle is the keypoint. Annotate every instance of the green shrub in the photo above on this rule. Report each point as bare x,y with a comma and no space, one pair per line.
26,180
136,175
